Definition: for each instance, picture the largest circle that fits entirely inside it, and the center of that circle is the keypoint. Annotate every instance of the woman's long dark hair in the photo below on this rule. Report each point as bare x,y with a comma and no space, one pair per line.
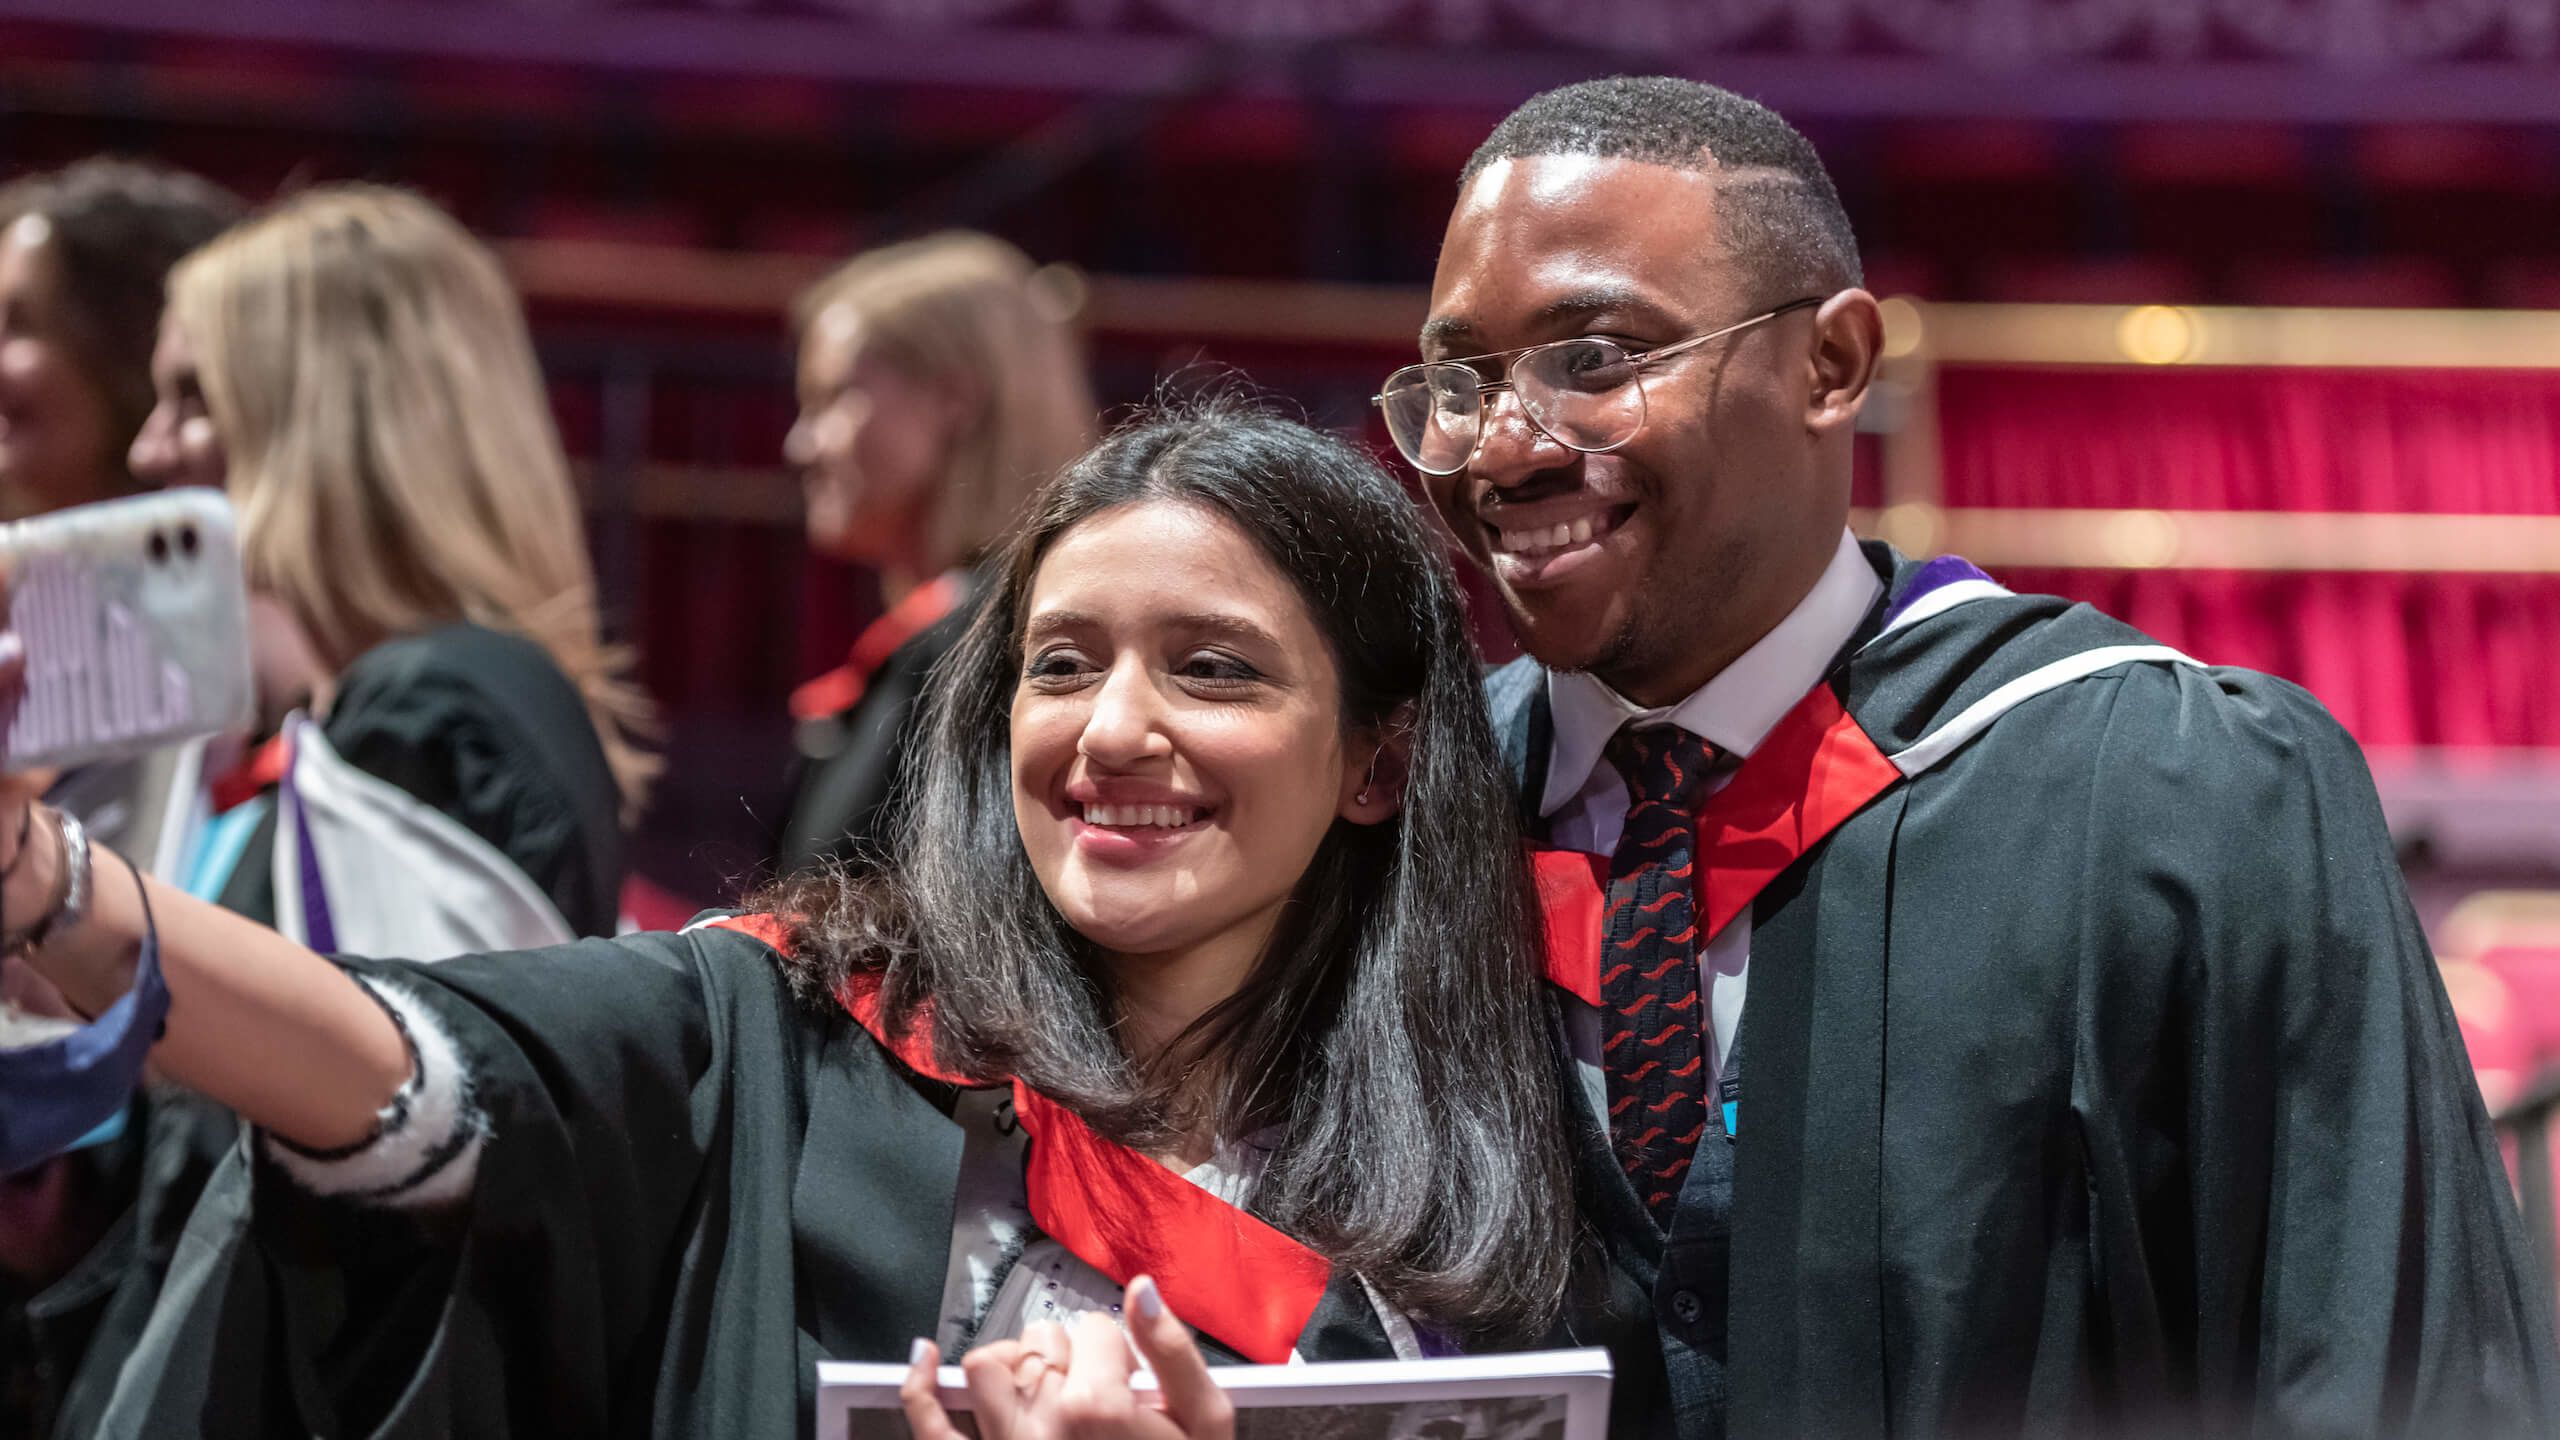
1395,1030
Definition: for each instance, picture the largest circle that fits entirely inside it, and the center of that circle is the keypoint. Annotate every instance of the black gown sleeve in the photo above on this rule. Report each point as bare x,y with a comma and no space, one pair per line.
2322,1151
530,1307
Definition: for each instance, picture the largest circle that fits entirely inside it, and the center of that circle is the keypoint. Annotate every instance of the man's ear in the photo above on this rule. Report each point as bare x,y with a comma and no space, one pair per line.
1373,783
1848,340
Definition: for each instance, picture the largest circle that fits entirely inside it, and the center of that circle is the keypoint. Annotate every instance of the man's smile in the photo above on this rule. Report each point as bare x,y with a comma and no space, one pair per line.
1532,545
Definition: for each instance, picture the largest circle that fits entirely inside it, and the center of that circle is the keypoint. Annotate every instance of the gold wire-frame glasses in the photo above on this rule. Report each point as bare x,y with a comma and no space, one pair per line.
1586,394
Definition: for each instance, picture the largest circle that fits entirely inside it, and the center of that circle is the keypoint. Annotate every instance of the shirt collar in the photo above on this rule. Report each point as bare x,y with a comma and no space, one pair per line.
1737,709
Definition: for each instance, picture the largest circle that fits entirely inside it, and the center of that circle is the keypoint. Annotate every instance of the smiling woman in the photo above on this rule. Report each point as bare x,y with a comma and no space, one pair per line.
1222,619
1160,740
1174,980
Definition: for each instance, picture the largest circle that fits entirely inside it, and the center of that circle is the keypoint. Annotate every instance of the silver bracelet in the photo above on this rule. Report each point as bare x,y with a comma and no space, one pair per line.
74,901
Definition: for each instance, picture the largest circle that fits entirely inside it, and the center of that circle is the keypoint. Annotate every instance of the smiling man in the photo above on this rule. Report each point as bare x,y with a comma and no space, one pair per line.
2099,1076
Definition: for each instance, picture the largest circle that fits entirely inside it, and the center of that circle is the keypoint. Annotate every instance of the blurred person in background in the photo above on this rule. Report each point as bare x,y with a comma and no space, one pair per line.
85,1235
355,369
941,382
84,254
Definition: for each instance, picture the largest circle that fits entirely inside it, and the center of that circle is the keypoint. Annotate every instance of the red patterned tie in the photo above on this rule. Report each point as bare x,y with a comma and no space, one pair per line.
1655,1023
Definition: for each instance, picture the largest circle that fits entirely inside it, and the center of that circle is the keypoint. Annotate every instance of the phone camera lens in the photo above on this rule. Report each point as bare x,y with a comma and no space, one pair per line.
187,541
159,548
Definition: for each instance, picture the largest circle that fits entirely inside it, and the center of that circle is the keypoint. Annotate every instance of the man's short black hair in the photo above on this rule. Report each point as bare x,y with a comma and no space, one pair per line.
1781,214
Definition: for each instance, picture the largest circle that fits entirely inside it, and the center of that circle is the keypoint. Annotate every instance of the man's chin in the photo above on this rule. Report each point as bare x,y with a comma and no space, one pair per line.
1562,638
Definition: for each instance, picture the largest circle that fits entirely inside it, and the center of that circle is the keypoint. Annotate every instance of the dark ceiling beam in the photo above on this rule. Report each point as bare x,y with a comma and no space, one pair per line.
1085,60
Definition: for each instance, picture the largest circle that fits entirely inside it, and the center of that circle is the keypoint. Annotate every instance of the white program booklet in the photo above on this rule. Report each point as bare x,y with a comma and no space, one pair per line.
1543,1395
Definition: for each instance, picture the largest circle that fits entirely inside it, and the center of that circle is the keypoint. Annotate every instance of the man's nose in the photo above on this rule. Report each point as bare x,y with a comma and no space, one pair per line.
1510,448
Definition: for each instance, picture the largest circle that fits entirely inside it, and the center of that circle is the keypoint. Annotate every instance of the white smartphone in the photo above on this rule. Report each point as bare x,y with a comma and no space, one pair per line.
136,628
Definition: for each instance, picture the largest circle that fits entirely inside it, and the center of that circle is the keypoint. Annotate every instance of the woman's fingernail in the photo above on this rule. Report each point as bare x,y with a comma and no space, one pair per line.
1145,1298
12,649
920,1353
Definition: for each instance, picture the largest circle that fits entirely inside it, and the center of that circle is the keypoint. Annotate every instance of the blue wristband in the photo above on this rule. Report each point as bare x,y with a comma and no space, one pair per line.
56,1094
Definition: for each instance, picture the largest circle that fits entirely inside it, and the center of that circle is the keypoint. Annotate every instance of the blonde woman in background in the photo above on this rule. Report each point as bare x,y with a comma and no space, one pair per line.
354,367
941,381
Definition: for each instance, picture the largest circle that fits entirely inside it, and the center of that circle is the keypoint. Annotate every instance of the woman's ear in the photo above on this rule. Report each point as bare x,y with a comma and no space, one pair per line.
1373,784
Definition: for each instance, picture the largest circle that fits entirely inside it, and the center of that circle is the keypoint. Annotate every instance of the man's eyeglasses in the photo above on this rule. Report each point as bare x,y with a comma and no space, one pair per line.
1586,394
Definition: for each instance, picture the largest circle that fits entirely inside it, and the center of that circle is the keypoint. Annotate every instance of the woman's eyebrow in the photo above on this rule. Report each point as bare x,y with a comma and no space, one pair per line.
1057,622
1233,627
1190,622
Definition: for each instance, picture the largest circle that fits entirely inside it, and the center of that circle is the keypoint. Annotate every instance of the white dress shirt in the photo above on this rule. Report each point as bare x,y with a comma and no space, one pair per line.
1585,802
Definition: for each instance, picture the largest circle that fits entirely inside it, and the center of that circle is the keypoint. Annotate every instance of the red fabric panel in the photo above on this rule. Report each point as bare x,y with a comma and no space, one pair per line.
2402,660
651,906
1573,890
1222,1270
1815,770
2451,442
840,689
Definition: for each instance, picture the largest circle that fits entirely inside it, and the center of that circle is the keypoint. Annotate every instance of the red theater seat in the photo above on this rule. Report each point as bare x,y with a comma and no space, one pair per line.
2133,280
2402,283
2501,1053
617,224
2531,974
2459,192
2207,192
2526,285
1973,188
1917,275
2513,936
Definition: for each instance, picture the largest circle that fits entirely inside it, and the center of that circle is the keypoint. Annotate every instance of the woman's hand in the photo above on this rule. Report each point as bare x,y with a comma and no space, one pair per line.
261,1024
1051,1385
16,791
27,885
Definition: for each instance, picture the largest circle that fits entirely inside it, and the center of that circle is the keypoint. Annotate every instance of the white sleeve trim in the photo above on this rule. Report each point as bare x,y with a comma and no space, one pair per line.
1938,744
427,1152
1943,599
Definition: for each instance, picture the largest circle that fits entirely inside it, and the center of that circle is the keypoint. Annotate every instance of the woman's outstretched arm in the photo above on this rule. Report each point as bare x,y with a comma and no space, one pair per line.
257,1022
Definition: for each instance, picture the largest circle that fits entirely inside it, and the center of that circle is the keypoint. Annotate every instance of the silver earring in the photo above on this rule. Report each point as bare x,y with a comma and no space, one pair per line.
1369,784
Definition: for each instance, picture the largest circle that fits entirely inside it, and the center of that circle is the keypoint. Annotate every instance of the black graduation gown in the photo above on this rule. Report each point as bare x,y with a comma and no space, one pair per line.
2099,1081
694,1189
850,763
483,726
62,1346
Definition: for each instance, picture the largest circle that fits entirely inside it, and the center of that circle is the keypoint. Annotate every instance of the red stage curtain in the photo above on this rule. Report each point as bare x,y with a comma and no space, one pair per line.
2402,660
2446,442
